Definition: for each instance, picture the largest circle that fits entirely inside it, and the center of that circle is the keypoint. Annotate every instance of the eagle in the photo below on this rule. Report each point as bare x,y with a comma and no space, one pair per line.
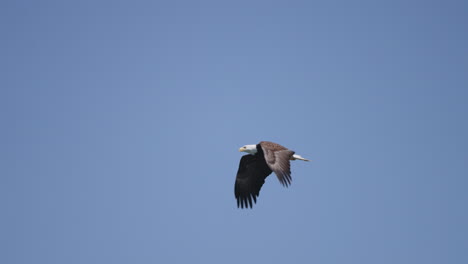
262,159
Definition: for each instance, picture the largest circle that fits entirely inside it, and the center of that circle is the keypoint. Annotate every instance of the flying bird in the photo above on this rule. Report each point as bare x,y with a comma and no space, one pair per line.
262,159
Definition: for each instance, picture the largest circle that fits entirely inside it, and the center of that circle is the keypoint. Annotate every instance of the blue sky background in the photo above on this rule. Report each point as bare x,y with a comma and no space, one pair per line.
121,121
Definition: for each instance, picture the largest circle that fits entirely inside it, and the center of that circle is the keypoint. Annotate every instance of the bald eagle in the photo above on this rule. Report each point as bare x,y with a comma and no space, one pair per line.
262,159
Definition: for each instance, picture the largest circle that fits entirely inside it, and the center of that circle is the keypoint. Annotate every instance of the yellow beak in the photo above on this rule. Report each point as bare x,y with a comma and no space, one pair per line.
241,149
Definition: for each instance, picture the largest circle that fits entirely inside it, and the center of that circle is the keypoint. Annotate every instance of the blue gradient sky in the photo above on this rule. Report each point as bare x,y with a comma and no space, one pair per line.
121,123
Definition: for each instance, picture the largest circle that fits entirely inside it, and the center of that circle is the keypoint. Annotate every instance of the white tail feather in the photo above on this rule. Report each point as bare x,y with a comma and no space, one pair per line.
298,157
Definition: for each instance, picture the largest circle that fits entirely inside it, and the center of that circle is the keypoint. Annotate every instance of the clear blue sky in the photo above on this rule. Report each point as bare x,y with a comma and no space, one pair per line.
121,121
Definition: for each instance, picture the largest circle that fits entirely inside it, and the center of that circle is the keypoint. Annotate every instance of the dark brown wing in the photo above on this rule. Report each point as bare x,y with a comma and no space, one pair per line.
277,158
272,146
250,177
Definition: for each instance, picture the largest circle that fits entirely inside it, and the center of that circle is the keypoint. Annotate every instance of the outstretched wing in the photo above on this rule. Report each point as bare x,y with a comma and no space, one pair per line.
277,157
249,180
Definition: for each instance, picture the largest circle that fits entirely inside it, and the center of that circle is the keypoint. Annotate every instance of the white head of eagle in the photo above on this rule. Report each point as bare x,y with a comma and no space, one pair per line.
262,159
251,149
